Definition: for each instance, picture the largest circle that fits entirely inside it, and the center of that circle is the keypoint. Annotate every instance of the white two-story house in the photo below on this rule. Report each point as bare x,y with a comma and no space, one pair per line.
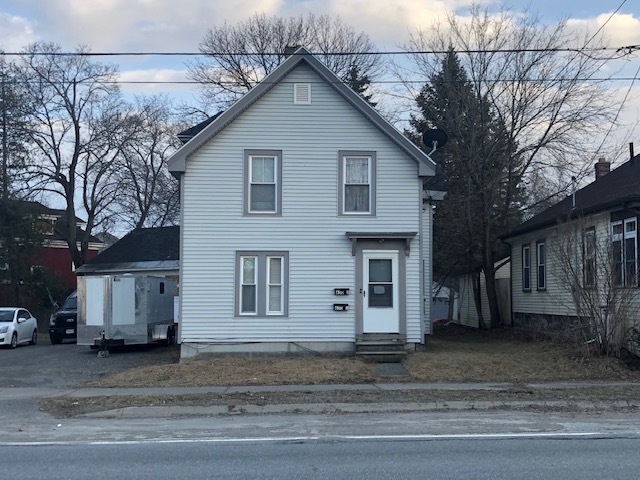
304,223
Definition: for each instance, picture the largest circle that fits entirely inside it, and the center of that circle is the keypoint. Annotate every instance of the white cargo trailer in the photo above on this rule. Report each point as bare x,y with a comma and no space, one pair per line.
125,310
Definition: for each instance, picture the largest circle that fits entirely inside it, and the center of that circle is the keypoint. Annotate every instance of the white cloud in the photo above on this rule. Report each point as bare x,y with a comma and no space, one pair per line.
142,25
15,32
621,30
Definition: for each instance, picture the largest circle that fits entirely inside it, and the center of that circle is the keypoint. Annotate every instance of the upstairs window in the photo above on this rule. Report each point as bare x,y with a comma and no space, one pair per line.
357,189
624,246
263,182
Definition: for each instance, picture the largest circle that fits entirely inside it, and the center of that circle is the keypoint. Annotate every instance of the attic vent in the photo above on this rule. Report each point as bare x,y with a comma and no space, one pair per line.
302,93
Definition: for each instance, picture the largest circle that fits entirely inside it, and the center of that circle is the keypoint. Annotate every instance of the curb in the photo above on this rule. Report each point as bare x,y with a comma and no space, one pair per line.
340,408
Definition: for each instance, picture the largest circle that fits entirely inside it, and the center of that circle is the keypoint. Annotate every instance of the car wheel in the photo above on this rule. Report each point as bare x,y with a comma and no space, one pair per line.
14,340
56,340
34,337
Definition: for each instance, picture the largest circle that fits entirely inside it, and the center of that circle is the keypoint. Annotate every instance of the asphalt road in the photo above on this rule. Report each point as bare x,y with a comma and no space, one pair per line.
459,459
54,366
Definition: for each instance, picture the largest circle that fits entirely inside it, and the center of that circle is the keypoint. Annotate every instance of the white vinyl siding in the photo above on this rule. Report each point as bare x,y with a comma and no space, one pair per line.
309,227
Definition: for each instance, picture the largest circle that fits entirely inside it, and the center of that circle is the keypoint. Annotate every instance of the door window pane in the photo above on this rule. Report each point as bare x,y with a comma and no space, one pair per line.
380,295
380,270
380,289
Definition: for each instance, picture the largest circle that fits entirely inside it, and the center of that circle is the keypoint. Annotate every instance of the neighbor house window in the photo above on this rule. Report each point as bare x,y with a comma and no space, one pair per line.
541,261
526,268
263,283
262,182
624,243
357,178
589,257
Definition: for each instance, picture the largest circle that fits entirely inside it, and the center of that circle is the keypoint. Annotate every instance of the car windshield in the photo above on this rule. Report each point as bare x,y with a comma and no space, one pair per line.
70,303
6,315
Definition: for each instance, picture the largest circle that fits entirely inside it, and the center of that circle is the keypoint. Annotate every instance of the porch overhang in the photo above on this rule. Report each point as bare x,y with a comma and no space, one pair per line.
381,237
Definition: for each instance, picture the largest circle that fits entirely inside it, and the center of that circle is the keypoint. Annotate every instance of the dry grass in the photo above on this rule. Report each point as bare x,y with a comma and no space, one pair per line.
457,355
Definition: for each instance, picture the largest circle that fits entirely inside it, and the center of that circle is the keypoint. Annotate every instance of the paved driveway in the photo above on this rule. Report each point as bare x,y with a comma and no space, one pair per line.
54,366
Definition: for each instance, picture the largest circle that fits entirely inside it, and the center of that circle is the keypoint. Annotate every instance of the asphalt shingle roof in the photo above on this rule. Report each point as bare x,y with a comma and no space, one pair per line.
143,245
619,187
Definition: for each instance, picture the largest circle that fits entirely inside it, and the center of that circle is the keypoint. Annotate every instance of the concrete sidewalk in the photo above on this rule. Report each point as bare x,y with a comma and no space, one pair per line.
43,392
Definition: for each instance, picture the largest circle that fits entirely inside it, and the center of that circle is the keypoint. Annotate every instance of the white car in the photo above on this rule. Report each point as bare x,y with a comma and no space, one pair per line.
17,326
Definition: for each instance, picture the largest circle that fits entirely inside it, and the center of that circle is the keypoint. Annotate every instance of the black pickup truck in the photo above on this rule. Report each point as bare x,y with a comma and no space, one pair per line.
63,324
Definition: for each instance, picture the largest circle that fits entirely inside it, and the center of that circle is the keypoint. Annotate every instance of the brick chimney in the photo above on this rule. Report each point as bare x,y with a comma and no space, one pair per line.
290,50
602,167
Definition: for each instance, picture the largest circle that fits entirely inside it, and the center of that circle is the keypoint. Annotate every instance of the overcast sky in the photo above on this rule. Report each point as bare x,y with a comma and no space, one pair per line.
179,26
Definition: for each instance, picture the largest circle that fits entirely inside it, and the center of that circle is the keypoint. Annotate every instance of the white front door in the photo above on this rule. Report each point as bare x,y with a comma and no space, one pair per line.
380,303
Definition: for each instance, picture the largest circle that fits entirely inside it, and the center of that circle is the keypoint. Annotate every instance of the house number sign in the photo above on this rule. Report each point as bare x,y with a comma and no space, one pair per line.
341,291
340,307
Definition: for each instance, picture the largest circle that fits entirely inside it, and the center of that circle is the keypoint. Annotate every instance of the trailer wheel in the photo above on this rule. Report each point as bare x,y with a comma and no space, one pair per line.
171,337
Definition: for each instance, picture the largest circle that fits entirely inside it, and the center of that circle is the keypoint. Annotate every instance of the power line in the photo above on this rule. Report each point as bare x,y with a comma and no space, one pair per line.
330,54
605,23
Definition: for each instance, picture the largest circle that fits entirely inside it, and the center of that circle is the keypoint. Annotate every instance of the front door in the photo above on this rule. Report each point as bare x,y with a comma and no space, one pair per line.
380,302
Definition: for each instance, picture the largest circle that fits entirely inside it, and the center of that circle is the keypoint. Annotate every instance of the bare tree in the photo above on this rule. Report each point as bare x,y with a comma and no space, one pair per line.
589,274
550,104
149,195
237,57
14,105
77,130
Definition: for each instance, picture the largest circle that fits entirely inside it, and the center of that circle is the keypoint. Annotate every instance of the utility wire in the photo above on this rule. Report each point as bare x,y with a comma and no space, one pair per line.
604,24
330,54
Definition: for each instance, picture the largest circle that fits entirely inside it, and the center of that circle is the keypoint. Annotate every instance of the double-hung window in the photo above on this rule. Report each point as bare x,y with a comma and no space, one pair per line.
624,243
357,178
541,260
262,182
589,257
526,268
263,283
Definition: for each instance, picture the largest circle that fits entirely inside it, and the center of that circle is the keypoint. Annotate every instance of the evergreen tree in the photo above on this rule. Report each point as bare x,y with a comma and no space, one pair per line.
360,84
477,164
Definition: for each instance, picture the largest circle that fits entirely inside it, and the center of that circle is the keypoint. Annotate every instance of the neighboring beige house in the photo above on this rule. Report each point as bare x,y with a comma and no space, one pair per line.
565,258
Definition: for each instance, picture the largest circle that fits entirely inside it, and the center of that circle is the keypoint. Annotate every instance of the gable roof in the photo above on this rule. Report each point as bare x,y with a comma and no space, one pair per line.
177,163
144,247
617,189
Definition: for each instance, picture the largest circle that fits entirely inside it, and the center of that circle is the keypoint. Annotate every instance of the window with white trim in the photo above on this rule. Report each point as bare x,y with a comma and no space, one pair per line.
526,268
263,283
357,189
589,257
624,243
263,182
541,261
